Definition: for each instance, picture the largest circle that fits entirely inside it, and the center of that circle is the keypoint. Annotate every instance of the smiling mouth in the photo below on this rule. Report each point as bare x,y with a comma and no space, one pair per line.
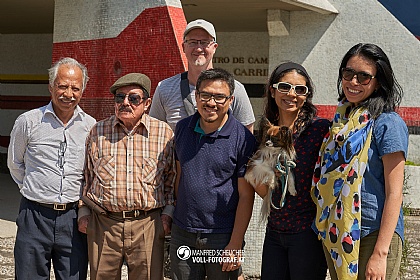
352,91
210,109
289,102
66,100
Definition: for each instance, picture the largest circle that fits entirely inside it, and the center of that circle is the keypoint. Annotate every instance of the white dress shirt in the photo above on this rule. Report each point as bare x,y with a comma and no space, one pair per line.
46,158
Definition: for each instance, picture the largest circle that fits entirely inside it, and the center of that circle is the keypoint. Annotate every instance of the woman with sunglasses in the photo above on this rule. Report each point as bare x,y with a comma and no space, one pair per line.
358,183
291,249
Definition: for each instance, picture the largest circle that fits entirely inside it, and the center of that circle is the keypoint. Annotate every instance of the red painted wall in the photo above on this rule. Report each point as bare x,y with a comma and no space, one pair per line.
151,44
411,115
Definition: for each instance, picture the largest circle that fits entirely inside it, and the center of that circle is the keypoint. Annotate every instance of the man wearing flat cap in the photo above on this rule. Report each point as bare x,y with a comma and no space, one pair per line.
130,177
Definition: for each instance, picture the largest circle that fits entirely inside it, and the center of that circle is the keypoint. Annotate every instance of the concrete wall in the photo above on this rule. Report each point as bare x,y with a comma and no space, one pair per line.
320,41
411,198
22,55
99,19
25,54
246,55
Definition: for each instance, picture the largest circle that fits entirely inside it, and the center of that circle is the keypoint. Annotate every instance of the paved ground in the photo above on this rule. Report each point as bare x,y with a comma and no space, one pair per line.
9,203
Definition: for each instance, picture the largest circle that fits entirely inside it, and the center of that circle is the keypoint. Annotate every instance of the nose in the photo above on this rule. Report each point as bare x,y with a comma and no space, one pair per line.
292,90
199,47
126,102
354,79
68,91
212,100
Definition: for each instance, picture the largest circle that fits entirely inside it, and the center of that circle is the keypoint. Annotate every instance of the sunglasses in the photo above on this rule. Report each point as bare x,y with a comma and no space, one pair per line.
285,88
134,99
218,98
363,78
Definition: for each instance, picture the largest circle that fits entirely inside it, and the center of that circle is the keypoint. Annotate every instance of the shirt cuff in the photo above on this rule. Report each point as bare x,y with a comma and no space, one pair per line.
168,210
83,211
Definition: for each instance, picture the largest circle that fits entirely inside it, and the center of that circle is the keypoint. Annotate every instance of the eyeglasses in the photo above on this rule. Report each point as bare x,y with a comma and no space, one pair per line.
192,43
61,151
134,99
363,78
285,88
218,98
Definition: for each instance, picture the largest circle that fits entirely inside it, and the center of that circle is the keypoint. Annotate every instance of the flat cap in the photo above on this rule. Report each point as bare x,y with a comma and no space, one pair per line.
203,24
132,79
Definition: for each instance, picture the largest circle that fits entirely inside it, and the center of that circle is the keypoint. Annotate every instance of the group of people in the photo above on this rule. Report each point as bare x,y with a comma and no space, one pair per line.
108,192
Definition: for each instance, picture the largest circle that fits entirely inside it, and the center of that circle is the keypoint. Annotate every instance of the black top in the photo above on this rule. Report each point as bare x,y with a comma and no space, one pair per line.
298,211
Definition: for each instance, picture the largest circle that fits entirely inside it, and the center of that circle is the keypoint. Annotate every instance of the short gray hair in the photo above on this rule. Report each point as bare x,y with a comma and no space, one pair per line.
52,72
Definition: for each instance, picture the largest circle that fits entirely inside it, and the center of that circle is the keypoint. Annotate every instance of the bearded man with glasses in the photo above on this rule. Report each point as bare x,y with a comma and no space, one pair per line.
130,177
46,157
214,202
174,99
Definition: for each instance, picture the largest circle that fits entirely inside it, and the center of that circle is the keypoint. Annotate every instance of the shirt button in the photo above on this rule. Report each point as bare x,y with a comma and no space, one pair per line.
129,189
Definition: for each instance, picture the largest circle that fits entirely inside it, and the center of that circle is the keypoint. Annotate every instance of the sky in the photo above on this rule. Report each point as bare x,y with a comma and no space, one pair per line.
407,12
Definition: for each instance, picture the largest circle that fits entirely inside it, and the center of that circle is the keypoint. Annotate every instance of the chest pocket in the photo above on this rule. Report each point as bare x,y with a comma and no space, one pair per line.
105,170
151,171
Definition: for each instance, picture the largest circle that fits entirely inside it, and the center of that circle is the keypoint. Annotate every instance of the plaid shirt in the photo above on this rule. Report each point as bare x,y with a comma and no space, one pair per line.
130,170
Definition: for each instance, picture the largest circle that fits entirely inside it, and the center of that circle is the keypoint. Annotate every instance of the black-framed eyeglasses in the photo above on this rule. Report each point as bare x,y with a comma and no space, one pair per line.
285,88
61,151
134,99
218,97
363,78
193,43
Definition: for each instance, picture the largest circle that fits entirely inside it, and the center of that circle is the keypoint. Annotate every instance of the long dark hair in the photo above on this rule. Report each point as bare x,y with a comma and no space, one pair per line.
389,94
308,110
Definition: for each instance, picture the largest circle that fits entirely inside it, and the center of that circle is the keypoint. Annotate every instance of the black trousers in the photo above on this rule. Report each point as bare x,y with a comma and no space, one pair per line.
293,256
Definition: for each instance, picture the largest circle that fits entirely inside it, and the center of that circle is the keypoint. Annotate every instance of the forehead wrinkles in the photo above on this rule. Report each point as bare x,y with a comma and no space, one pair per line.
69,75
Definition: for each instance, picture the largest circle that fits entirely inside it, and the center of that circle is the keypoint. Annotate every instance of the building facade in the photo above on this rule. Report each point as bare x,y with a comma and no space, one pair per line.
113,38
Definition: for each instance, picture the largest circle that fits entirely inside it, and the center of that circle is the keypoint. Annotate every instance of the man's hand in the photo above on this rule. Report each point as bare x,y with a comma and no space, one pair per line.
83,223
232,257
167,223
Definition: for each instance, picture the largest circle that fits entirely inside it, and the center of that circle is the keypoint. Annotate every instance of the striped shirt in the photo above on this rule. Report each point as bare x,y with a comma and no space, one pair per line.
130,170
167,104
46,157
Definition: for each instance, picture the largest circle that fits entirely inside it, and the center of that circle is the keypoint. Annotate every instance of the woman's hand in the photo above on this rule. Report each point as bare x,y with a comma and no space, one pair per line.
376,267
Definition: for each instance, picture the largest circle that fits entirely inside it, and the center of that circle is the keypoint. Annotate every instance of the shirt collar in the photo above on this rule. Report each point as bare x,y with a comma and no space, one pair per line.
144,120
225,130
77,111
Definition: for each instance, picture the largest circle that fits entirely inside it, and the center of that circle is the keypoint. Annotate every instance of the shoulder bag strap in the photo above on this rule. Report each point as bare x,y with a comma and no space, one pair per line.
185,93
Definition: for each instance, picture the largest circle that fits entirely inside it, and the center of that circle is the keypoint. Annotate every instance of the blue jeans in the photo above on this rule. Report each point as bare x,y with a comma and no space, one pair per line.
188,269
297,256
46,234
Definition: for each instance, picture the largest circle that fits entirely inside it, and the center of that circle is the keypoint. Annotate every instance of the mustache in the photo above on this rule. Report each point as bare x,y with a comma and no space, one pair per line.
71,99
123,108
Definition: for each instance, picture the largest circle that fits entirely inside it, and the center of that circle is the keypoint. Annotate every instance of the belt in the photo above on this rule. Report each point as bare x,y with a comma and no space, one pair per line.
58,206
130,215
